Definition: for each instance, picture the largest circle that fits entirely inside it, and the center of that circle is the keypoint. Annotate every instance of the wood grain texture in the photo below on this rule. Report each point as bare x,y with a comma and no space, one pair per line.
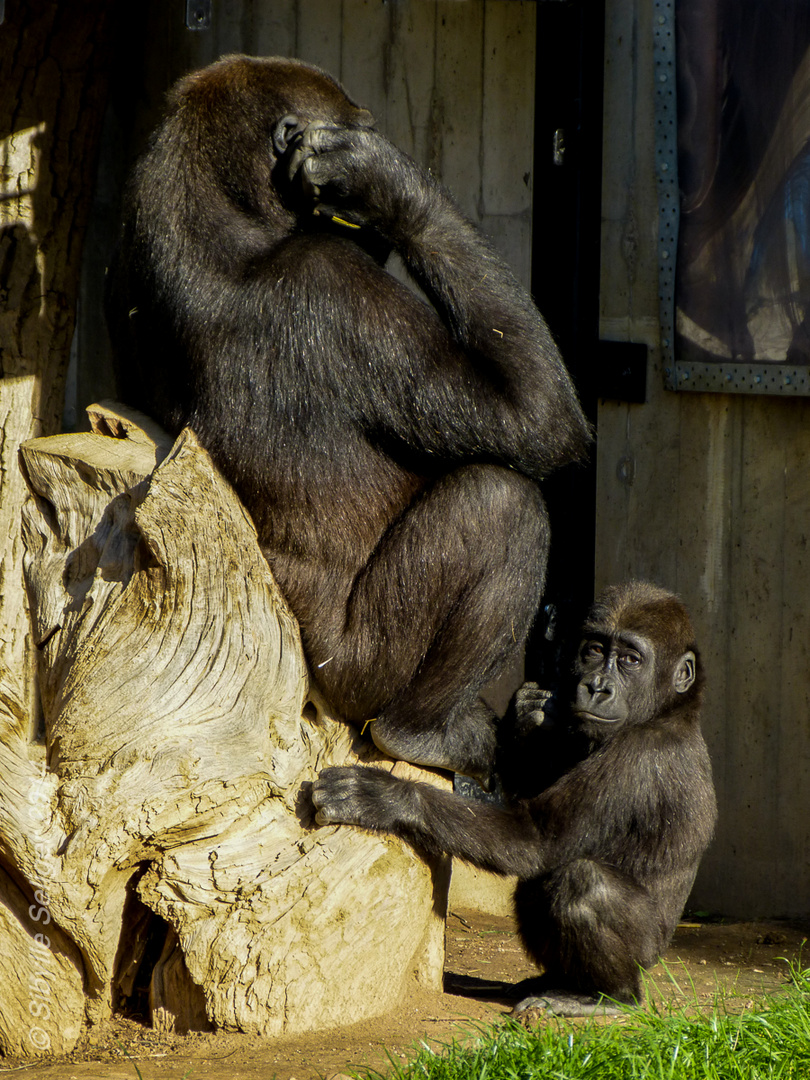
180,735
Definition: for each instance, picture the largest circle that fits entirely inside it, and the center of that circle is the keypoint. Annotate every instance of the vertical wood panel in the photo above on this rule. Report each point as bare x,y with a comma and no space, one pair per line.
232,28
269,29
794,766
318,34
508,164
364,32
631,504
454,151
410,55
509,48
750,774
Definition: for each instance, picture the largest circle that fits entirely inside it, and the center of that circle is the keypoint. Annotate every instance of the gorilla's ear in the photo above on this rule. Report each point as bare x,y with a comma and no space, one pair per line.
684,674
285,131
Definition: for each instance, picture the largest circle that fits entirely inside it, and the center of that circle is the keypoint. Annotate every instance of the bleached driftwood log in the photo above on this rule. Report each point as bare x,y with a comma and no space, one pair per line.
163,802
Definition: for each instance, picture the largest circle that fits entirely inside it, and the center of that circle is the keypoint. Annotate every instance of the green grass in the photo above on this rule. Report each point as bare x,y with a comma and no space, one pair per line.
770,1042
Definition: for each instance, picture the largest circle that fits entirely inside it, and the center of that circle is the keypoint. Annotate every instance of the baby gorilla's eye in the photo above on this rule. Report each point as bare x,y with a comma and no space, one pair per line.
630,659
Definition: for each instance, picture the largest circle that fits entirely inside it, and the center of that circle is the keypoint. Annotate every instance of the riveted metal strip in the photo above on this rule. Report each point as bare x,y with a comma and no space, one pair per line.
666,175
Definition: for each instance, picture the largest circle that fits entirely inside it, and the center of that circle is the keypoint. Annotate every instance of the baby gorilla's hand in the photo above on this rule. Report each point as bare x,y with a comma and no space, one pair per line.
533,705
335,797
353,795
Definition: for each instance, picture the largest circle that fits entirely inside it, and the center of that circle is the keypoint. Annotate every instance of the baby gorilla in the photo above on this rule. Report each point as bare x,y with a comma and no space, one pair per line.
606,852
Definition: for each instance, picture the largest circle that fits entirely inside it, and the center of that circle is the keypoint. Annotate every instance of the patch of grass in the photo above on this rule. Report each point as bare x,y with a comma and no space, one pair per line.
770,1042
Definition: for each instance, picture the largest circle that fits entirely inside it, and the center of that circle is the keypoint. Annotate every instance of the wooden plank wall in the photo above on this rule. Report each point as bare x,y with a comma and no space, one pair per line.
450,81
710,495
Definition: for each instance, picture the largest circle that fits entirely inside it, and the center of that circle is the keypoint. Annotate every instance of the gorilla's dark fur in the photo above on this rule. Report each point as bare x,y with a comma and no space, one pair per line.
607,853
389,451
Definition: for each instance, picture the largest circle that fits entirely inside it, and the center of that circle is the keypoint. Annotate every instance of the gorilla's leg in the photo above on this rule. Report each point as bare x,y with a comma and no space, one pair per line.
592,929
446,600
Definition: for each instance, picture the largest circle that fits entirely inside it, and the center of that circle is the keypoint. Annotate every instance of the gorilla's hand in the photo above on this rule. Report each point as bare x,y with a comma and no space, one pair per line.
353,795
534,706
360,175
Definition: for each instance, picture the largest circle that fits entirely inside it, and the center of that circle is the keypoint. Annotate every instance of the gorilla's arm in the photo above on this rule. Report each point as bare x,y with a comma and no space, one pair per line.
502,841
491,318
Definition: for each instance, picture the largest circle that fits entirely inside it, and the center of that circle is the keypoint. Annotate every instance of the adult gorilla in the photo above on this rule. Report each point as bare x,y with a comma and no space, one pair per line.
389,451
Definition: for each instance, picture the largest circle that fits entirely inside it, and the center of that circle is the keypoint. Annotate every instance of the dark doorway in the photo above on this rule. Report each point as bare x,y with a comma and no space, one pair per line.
565,270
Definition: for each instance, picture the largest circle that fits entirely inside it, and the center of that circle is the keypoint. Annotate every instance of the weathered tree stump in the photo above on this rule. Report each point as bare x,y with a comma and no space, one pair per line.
162,805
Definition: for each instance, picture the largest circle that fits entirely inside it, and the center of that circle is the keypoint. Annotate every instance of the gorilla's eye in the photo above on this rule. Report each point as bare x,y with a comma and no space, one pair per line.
630,659
592,650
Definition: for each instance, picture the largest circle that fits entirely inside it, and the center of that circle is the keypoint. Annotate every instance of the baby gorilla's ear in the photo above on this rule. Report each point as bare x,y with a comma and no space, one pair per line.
683,676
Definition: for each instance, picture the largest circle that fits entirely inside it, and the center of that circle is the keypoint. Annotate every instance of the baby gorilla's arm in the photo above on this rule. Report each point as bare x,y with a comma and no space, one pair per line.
502,841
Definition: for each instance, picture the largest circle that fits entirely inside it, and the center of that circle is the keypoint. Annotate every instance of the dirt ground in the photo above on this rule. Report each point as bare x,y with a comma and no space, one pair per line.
743,961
